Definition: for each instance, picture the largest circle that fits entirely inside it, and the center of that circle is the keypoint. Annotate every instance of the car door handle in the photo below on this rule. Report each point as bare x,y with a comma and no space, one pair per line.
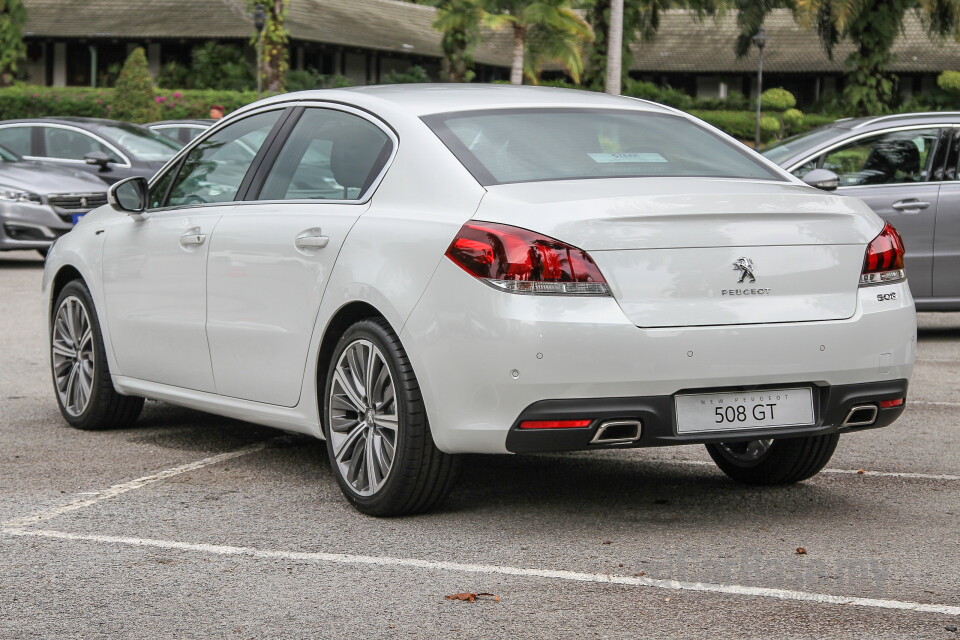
192,239
311,239
907,205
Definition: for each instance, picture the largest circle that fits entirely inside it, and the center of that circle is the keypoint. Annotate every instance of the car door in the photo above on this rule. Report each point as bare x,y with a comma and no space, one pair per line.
946,243
154,268
272,256
66,146
892,172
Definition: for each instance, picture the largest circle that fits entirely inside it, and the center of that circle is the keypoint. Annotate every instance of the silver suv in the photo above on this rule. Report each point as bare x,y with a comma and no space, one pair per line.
906,168
39,203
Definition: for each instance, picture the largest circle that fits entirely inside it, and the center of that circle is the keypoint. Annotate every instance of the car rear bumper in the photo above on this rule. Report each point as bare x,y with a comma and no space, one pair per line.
484,358
656,422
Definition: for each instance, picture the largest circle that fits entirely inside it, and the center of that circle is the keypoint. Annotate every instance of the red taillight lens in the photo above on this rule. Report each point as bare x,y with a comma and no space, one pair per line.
884,260
554,424
886,404
522,261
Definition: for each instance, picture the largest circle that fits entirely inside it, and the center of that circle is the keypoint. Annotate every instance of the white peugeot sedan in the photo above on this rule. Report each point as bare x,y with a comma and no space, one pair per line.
414,272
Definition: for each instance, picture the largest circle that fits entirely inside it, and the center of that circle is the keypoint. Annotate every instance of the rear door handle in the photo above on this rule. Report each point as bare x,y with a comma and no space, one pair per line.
907,205
311,239
192,239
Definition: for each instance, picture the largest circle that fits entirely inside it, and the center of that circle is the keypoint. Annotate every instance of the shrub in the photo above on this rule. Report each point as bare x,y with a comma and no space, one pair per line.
416,73
949,81
777,99
792,120
664,95
741,124
134,100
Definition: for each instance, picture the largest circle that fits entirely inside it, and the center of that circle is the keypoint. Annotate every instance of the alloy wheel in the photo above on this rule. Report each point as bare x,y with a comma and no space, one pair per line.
73,355
363,417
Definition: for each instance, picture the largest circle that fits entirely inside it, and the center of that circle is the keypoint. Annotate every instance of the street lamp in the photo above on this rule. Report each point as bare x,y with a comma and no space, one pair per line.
259,22
760,39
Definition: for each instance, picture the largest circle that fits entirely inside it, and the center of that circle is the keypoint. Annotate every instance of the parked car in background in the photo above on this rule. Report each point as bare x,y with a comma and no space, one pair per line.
109,149
40,203
414,272
182,131
906,168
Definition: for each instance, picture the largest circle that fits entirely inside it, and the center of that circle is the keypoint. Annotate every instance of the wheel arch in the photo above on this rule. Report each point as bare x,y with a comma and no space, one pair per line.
65,275
343,319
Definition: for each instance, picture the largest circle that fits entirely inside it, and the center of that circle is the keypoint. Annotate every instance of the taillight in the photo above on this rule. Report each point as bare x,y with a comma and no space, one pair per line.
521,261
884,260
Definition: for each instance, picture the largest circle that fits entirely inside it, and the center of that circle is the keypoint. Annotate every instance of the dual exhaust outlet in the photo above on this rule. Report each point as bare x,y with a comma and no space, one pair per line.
861,415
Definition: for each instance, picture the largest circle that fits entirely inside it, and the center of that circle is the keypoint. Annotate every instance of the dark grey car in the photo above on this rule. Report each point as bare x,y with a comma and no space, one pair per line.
109,149
40,203
906,168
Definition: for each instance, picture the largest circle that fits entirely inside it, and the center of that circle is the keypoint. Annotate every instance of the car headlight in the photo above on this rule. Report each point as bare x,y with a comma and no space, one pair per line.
17,195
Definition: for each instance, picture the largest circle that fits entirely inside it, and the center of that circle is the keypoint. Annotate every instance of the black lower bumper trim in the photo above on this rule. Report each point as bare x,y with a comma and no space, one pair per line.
658,418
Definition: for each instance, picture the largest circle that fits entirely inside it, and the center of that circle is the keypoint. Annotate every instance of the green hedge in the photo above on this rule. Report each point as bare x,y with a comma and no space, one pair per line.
25,101
742,124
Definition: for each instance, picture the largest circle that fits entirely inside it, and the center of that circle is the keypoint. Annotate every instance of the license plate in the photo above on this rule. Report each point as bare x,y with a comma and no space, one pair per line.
76,217
730,411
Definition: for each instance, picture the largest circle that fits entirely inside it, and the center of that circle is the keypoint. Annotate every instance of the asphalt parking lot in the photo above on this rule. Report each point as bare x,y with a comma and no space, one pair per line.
192,525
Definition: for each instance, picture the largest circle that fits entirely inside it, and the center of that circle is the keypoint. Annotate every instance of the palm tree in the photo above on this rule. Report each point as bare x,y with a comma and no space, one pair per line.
553,28
459,21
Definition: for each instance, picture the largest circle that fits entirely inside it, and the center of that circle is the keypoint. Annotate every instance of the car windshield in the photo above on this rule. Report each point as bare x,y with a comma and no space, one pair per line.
525,145
141,143
793,145
8,156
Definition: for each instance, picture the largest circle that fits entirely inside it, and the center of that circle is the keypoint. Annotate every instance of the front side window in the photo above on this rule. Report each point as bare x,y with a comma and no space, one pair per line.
70,144
889,158
523,145
17,139
330,155
214,169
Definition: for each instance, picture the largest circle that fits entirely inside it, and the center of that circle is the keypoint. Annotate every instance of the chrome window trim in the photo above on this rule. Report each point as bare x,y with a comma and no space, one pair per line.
894,116
56,125
868,134
365,115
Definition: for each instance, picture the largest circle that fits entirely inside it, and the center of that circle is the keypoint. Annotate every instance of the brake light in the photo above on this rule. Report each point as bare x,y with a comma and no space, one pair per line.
887,404
521,261
883,262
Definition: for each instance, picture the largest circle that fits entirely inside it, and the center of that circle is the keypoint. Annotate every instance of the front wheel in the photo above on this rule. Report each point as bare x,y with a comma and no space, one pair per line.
768,462
378,438
78,361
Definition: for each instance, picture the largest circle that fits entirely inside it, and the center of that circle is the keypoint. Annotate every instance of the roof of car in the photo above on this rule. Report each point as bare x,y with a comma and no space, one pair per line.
424,99
206,122
76,120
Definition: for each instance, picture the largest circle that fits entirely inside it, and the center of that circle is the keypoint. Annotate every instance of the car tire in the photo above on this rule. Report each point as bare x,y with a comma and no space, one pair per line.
379,442
43,252
78,362
770,462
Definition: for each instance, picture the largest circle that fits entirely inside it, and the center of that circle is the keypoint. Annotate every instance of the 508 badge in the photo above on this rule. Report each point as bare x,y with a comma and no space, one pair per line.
881,297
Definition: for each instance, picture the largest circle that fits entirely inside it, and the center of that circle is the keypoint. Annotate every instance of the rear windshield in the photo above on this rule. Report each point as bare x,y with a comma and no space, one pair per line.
527,145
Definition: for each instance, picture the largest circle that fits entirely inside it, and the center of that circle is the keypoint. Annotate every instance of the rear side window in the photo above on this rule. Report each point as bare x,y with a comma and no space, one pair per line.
69,144
889,158
524,145
330,155
17,139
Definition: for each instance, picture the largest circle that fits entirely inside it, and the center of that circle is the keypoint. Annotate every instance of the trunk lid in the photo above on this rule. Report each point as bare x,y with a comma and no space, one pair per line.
699,252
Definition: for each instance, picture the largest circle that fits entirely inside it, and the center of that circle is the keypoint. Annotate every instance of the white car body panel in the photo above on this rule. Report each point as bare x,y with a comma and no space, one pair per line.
155,290
481,355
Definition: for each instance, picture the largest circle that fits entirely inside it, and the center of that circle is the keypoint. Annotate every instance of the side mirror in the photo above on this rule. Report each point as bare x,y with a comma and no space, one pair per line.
98,158
129,196
822,179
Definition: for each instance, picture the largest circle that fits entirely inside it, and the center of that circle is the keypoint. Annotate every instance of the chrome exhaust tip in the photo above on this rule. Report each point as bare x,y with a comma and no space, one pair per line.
617,432
861,415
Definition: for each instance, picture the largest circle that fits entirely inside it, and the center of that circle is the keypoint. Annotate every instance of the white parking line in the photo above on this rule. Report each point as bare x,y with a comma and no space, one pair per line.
118,489
929,403
572,576
856,472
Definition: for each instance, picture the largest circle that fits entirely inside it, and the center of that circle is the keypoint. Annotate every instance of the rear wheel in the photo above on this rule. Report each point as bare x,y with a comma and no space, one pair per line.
766,462
78,361
378,438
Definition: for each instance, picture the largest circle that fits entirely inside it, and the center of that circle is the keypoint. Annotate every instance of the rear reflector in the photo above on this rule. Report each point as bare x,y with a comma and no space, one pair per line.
886,404
554,424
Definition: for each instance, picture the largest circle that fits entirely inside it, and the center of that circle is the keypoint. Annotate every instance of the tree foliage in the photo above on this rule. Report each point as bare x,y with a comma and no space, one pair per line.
212,66
134,99
544,29
777,99
459,22
13,15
